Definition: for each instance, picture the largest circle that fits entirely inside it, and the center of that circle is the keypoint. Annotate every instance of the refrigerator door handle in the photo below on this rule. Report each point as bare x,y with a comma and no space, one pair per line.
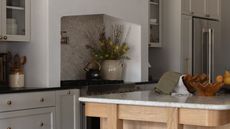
202,45
210,53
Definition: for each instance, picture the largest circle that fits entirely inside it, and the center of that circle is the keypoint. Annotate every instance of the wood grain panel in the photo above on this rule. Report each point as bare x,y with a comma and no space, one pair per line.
141,113
109,113
151,125
96,110
173,119
142,125
103,123
142,117
112,119
203,117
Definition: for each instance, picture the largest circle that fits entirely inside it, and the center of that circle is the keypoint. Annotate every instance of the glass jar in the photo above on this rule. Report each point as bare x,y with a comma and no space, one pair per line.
17,78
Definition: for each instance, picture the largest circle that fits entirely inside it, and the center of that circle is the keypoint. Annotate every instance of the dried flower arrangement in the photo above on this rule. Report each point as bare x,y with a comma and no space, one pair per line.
108,48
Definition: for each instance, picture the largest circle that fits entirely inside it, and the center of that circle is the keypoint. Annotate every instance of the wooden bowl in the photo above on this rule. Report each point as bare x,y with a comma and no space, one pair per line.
200,85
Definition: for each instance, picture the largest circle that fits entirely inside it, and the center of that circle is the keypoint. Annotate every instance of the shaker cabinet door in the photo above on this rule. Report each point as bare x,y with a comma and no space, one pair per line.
28,119
68,109
213,9
186,44
15,18
198,7
24,101
186,8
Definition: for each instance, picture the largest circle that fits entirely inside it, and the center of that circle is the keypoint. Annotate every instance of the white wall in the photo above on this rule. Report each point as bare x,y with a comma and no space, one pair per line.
36,51
135,11
133,39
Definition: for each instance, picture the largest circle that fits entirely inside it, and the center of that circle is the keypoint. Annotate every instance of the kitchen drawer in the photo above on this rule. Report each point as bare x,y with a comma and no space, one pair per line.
28,119
11,102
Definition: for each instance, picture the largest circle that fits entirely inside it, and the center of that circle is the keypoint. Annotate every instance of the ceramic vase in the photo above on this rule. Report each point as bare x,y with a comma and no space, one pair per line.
112,70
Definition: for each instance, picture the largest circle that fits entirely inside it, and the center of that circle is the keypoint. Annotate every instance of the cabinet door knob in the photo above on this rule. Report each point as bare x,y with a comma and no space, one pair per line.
192,13
69,92
42,100
5,37
0,37
9,102
42,124
9,128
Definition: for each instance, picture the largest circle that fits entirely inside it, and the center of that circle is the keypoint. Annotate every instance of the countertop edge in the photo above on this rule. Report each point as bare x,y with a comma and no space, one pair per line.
156,104
39,89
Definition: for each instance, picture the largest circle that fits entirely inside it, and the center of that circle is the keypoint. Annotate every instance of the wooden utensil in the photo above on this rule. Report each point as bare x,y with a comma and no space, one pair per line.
201,86
23,60
17,63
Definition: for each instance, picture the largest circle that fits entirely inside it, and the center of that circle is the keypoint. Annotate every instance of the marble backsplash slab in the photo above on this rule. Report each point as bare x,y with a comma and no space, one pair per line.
74,55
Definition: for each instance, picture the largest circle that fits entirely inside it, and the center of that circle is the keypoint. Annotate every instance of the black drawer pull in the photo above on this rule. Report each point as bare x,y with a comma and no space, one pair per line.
9,102
42,100
42,124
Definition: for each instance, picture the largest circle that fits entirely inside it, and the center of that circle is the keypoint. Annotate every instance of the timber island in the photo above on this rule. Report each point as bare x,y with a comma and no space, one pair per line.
149,110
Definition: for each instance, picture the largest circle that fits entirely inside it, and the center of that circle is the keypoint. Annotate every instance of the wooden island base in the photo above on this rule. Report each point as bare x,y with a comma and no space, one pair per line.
115,116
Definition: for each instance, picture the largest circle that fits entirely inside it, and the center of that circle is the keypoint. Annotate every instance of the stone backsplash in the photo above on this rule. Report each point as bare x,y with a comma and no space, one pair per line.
74,55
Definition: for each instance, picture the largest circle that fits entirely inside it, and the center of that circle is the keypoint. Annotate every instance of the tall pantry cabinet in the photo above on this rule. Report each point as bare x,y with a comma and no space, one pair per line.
208,9
177,19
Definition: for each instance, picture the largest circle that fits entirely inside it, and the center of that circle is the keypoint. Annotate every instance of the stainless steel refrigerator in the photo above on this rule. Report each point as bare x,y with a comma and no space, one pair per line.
205,46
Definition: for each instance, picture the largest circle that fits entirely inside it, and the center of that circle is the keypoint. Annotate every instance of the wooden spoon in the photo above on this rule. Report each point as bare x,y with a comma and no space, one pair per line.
17,61
23,60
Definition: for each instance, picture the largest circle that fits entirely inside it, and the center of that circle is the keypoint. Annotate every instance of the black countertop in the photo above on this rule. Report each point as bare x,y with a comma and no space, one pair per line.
85,89
7,90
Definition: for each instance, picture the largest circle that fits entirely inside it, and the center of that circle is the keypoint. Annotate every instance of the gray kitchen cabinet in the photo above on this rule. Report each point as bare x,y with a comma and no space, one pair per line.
197,7
68,109
155,23
28,119
193,7
11,102
15,20
34,110
186,44
186,9
213,8
201,8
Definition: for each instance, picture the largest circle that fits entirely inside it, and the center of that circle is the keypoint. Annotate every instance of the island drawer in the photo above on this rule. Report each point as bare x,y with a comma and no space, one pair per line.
199,117
19,101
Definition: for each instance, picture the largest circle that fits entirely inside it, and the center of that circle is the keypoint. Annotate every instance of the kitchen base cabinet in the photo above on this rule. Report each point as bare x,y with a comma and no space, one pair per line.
25,101
28,119
68,109
119,116
40,110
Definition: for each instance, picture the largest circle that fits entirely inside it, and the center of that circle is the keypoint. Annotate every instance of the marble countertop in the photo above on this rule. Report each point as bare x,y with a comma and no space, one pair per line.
149,98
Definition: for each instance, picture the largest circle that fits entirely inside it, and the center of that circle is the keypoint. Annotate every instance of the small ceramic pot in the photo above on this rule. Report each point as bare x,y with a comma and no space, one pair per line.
17,78
112,70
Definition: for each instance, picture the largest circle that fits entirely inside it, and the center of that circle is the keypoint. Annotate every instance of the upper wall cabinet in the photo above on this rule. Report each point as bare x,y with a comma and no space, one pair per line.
155,24
213,8
197,7
14,20
202,8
